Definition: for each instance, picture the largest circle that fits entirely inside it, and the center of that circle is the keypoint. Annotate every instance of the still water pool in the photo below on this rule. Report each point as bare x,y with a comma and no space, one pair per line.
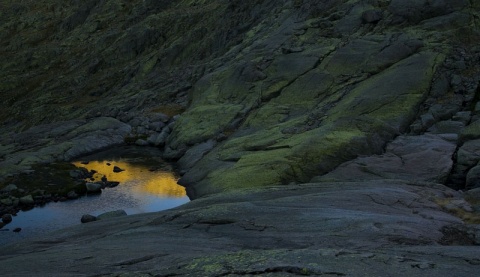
147,184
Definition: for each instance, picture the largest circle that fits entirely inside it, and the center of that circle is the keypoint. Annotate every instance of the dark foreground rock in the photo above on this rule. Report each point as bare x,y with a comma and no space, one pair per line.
369,228
88,218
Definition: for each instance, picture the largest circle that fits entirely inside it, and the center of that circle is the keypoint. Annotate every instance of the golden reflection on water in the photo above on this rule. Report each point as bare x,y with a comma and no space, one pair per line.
158,183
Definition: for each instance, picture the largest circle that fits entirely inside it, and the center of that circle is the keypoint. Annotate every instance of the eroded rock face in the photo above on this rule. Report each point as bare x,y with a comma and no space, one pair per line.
329,126
283,90
291,106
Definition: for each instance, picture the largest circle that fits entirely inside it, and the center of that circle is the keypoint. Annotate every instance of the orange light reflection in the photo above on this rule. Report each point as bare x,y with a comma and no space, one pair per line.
158,183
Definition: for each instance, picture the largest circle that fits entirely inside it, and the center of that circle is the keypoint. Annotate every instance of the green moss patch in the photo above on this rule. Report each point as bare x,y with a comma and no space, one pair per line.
52,179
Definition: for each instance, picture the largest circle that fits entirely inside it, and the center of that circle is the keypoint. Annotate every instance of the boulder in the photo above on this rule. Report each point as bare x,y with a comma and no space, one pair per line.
447,127
420,158
88,218
6,202
112,214
471,132
469,153
9,188
94,187
473,178
156,126
195,153
27,200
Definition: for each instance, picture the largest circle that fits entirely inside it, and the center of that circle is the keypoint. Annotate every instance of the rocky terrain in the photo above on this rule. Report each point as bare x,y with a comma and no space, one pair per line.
337,138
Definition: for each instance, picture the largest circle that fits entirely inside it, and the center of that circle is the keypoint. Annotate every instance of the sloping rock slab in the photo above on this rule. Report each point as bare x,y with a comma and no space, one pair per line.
422,158
350,229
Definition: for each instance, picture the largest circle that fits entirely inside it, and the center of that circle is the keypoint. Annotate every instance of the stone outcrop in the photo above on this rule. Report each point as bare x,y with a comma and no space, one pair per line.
311,92
363,228
315,137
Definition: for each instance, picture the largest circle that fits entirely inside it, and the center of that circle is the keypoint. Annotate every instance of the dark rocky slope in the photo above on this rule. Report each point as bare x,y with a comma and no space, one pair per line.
318,135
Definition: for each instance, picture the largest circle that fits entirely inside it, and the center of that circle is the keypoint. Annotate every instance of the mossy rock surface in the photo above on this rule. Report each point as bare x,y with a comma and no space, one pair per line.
313,125
53,179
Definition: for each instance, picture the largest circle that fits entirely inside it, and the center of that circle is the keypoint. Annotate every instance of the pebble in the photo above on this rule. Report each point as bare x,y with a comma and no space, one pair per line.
94,187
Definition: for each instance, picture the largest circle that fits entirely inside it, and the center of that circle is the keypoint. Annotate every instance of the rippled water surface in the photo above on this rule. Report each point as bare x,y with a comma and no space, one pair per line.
147,184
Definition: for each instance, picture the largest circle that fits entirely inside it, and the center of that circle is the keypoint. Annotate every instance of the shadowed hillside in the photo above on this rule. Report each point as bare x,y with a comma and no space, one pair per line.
345,130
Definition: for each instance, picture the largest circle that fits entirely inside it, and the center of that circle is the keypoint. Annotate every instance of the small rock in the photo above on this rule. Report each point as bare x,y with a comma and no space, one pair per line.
84,162
447,127
154,117
9,188
104,178
117,169
112,214
135,122
75,174
156,126
427,120
88,218
7,218
17,230
27,200
6,202
463,117
141,130
456,80
112,184
2,225
72,195
473,178
94,187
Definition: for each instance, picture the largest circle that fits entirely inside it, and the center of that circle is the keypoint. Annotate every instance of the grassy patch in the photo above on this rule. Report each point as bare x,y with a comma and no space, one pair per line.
53,179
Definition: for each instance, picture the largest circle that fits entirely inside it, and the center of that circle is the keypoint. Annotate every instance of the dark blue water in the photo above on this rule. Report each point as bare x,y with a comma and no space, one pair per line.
141,190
